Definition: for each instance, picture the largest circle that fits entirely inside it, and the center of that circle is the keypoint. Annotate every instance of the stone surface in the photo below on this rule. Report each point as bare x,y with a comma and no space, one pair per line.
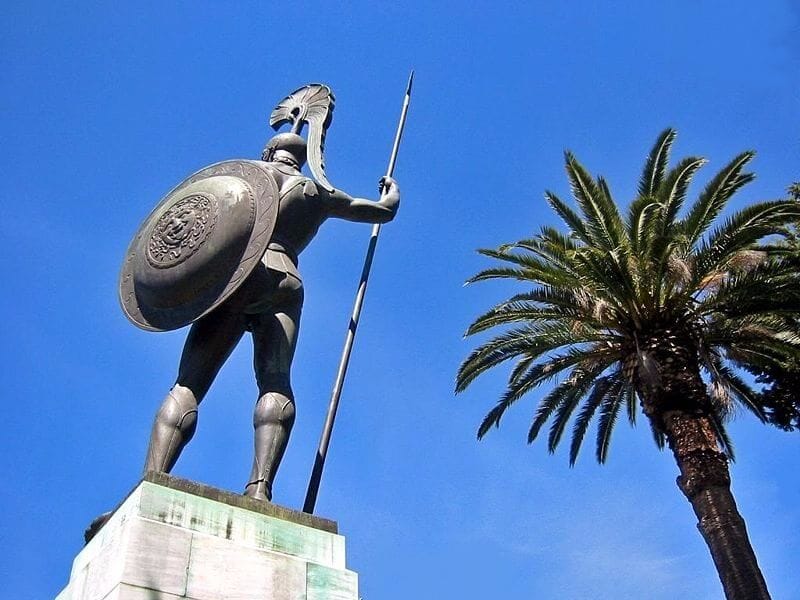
219,569
173,539
330,584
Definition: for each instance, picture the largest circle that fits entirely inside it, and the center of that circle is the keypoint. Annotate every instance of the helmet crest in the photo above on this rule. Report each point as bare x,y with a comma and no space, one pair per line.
312,104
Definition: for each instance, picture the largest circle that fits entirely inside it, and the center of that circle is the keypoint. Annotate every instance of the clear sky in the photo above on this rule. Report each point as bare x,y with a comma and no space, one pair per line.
106,106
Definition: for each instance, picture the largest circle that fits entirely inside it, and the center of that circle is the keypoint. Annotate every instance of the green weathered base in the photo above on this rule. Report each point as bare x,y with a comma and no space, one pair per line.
174,539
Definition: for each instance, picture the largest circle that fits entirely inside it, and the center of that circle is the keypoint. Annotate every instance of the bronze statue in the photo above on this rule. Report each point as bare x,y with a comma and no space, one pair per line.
221,252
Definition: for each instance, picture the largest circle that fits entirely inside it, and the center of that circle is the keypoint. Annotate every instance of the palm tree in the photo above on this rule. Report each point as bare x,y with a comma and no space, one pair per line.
653,309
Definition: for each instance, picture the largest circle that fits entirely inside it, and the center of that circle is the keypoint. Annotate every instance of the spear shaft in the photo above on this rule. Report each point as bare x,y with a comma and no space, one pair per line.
325,438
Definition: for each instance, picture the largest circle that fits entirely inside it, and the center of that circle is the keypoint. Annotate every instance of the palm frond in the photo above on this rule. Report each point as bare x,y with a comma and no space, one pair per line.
609,278
722,437
522,383
518,341
509,313
672,192
528,268
575,386
520,369
565,410
550,296
740,232
609,410
715,196
569,216
641,224
656,165
771,287
743,393
658,436
605,387
603,221
630,402
499,273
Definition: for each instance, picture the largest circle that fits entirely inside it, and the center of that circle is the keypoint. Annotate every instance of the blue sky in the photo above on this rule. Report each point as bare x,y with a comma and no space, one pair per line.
106,106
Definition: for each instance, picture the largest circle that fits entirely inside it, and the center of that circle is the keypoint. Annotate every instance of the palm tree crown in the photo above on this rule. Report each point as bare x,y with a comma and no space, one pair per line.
617,298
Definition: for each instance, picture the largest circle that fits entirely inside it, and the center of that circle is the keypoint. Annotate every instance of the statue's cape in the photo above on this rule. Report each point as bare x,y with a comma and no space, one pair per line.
199,244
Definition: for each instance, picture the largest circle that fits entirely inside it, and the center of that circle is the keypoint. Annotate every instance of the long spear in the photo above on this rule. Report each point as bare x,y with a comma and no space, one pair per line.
324,442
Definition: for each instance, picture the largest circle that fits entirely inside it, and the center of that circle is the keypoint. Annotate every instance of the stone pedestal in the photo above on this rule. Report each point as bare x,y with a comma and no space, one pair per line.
174,539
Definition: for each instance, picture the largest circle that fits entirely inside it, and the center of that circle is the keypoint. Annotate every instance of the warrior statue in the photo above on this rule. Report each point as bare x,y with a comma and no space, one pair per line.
221,252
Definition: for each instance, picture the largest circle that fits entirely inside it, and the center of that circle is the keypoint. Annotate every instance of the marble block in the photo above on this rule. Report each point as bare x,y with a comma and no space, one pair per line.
175,539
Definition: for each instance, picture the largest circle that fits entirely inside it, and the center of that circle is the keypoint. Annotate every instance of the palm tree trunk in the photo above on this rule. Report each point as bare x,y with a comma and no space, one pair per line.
675,399
705,481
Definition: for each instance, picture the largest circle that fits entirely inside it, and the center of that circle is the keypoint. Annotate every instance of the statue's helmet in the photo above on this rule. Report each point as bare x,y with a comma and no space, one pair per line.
290,143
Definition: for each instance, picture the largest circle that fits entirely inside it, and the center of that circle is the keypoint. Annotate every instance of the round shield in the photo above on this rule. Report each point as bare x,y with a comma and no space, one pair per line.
198,245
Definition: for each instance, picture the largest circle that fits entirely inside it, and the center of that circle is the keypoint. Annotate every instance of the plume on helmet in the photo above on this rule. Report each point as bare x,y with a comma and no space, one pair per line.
312,104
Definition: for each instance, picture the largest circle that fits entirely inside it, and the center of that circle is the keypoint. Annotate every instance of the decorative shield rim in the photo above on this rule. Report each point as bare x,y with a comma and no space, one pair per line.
266,196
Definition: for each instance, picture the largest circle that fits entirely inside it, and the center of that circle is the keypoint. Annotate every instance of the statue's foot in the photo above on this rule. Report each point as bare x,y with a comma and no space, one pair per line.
96,526
260,490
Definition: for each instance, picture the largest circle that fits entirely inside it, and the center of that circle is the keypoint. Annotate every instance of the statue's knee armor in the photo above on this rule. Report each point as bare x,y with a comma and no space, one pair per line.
179,411
272,419
274,408
174,426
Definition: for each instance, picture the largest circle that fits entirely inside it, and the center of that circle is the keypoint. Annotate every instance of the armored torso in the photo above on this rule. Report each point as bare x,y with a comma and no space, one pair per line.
301,211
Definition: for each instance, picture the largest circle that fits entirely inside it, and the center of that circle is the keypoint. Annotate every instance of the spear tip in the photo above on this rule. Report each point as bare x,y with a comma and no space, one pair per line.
410,82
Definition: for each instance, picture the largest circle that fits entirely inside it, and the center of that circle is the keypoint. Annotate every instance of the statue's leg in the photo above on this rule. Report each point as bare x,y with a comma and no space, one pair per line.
209,343
274,341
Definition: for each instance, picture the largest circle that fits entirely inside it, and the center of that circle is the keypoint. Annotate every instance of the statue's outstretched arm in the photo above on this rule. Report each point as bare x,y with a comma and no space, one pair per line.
361,210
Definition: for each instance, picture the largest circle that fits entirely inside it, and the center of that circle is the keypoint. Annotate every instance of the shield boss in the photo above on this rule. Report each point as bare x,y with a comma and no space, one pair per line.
198,245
